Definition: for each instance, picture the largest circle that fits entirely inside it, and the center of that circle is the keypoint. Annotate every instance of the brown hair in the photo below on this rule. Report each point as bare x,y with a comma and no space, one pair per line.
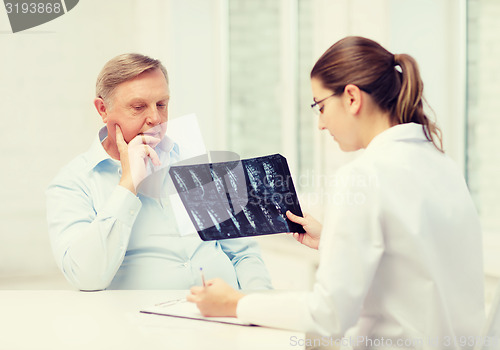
122,68
393,81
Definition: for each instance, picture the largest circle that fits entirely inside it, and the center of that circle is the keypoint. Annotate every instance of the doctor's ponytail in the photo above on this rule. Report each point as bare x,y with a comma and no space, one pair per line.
409,106
393,81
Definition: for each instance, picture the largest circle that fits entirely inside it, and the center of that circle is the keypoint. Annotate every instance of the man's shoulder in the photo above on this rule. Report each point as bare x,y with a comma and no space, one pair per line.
74,171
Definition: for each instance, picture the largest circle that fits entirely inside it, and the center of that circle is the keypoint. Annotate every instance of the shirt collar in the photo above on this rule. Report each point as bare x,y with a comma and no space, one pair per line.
408,132
97,154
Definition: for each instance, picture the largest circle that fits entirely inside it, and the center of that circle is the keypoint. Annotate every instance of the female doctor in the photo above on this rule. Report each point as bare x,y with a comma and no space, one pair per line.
401,261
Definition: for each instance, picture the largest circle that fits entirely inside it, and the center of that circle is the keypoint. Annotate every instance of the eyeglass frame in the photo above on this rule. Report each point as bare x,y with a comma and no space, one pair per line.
315,106
319,110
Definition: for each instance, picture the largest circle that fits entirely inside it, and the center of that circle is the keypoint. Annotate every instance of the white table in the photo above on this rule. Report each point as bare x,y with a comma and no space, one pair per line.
64,319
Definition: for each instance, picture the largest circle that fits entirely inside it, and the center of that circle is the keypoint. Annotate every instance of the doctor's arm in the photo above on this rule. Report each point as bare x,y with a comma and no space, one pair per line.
351,248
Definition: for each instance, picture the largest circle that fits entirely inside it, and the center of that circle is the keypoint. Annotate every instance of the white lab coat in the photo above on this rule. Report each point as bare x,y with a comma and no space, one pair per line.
400,255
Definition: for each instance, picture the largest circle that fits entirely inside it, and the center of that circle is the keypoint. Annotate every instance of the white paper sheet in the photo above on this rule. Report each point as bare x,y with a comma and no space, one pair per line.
184,309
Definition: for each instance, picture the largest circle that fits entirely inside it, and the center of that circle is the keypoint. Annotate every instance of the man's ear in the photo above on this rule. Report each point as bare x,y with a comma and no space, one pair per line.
101,109
353,98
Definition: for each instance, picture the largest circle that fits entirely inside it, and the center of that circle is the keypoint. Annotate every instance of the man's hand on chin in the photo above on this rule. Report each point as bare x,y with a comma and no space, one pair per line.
134,158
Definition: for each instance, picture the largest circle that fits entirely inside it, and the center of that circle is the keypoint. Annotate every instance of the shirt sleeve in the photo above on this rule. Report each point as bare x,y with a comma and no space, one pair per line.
245,256
350,250
89,245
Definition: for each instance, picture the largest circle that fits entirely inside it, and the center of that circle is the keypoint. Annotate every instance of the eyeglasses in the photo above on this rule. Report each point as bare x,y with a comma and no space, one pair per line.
317,109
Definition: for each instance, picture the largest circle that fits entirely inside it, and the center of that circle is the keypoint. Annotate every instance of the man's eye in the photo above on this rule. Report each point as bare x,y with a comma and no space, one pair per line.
138,108
161,105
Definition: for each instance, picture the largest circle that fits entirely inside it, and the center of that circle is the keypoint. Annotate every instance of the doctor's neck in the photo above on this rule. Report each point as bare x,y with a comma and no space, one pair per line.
374,123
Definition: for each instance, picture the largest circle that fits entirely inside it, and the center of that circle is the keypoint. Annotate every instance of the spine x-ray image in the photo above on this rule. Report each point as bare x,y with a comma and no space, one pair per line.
240,198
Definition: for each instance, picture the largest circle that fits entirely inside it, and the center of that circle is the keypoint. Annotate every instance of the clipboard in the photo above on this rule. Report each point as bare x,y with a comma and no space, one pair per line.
240,198
181,308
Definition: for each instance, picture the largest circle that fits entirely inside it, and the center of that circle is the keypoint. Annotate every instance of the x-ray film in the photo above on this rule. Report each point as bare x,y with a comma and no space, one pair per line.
238,198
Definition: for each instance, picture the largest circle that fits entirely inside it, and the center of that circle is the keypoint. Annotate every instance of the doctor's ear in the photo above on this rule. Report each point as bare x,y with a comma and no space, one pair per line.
101,108
353,98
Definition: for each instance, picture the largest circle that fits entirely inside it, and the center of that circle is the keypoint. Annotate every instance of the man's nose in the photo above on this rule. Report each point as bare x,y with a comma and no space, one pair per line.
154,117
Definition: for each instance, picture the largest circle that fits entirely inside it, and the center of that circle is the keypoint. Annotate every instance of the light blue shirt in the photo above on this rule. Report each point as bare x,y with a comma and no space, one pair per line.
103,236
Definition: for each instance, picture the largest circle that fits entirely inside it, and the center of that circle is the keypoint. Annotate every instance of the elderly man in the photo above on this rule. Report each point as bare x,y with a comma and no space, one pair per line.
108,233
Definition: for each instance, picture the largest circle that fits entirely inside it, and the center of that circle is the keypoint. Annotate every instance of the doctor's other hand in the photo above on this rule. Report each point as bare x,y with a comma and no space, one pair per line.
312,227
216,299
134,158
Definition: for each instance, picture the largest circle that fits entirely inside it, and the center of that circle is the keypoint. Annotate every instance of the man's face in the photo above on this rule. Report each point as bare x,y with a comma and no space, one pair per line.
138,106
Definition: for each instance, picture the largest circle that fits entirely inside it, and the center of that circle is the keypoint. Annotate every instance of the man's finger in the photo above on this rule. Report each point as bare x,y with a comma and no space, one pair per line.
120,141
119,134
150,152
142,139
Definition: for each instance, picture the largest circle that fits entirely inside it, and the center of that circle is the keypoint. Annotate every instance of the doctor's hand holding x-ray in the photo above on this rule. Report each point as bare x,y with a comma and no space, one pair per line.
312,227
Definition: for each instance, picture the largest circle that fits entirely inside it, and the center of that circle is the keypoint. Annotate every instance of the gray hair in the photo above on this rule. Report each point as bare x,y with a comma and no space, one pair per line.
123,68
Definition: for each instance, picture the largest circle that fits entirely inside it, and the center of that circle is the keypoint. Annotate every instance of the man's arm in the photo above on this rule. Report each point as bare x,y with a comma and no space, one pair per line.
250,269
89,244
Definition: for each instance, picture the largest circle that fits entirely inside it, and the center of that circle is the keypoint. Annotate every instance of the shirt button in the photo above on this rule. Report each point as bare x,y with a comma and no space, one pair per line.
186,264
132,212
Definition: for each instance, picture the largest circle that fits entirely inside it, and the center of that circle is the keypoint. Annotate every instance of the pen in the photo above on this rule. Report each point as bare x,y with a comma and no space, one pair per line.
202,276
